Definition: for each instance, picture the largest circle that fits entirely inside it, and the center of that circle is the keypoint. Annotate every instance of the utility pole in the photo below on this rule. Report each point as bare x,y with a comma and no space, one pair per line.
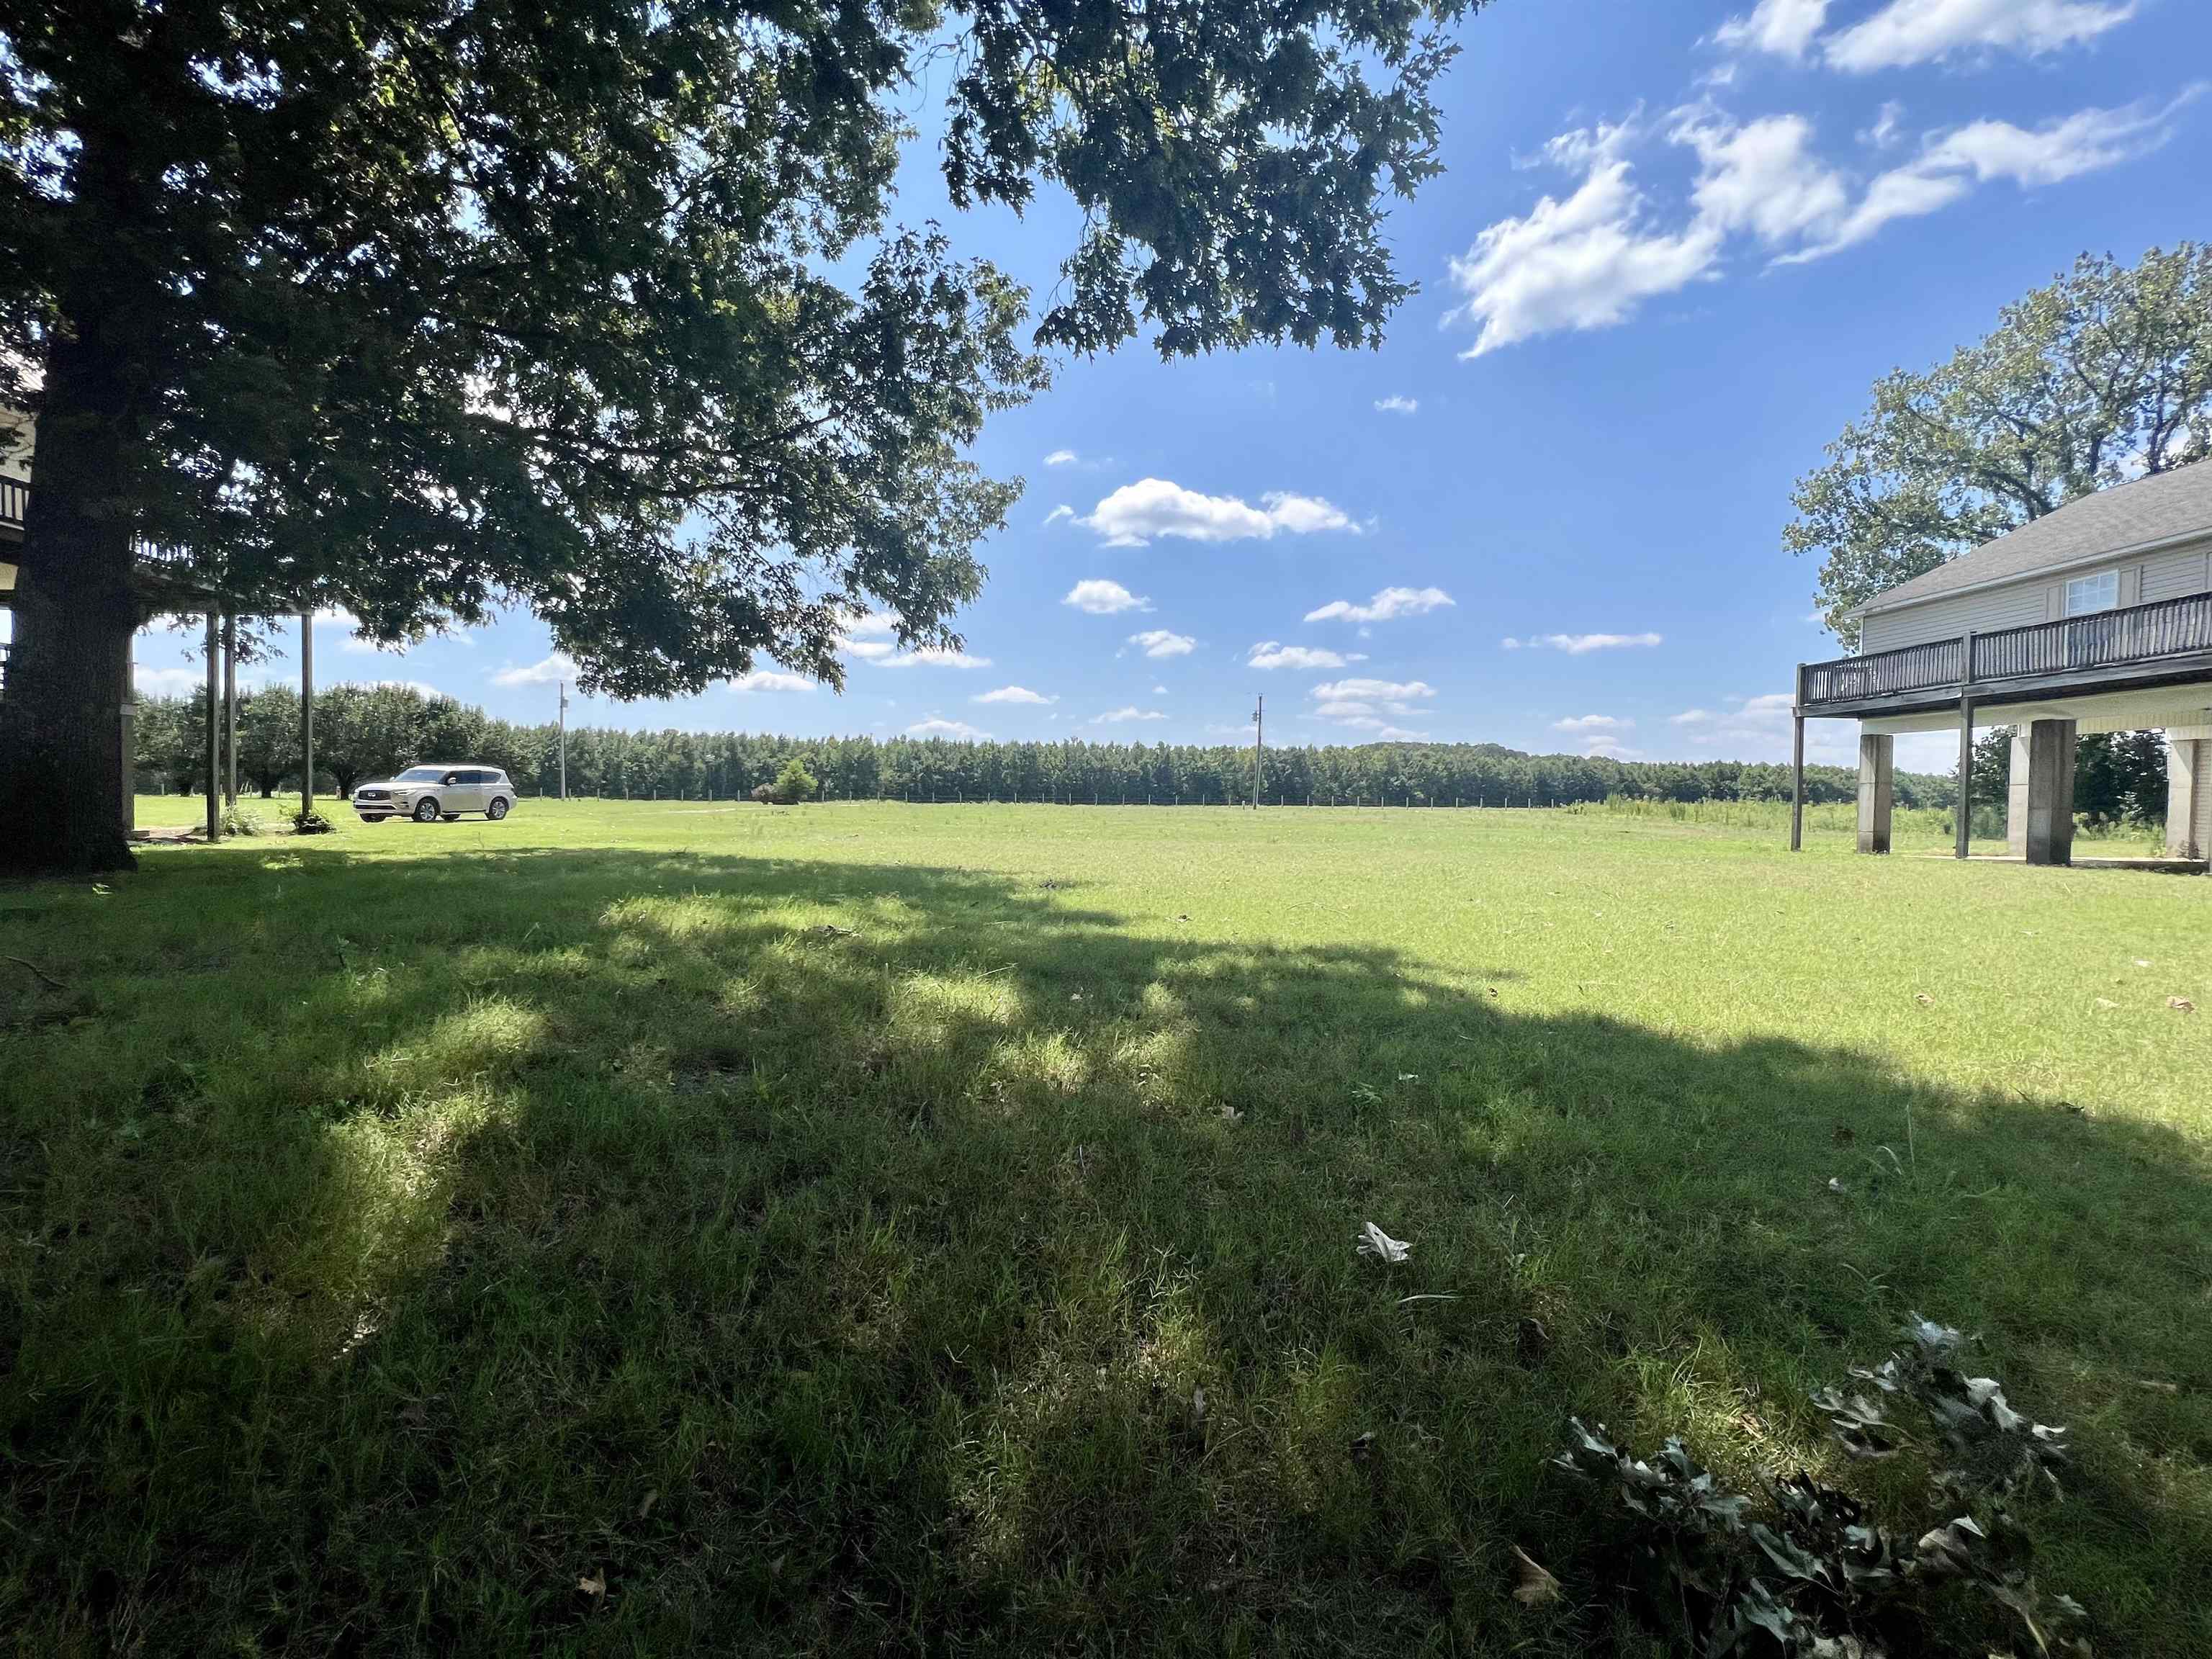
1259,738
563,686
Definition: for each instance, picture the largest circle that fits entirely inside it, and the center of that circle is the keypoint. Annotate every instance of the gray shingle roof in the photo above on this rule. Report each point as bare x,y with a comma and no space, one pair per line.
2154,509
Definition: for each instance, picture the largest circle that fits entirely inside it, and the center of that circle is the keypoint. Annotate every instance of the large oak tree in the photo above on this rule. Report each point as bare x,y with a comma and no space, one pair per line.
424,307
2103,376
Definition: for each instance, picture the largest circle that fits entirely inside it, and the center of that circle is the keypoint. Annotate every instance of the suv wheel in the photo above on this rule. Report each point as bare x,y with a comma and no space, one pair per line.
426,810
497,810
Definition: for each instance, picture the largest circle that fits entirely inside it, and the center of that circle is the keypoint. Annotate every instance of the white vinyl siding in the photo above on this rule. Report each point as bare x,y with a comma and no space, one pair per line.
2169,574
2013,606
2173,574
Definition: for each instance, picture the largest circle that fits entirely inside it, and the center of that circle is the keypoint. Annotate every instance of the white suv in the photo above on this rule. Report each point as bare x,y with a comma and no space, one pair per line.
427,793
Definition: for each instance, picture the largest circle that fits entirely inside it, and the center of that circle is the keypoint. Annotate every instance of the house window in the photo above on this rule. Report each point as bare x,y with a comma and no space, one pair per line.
2099,593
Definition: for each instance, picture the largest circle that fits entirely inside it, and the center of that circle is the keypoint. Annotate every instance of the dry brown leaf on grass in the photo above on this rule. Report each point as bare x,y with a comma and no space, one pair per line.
1923,999
594,1584
1533,1586
2181,1005
645,1508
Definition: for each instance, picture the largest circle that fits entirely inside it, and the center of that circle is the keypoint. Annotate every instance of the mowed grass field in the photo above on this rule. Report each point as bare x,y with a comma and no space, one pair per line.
657,1228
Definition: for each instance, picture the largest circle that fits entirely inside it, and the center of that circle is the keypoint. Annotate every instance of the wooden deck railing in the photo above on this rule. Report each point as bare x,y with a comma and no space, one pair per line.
1884,673
2139,633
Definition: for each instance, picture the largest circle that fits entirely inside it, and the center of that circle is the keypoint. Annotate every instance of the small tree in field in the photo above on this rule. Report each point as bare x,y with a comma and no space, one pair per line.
794,783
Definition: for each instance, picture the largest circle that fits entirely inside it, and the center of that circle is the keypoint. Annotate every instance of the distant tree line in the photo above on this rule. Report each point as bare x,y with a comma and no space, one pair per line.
367,731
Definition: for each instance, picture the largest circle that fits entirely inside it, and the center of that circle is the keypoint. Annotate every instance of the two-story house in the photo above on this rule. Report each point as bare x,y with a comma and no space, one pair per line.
2097,617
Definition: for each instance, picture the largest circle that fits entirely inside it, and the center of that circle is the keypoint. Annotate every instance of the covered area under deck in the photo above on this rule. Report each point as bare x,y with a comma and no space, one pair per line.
2146,667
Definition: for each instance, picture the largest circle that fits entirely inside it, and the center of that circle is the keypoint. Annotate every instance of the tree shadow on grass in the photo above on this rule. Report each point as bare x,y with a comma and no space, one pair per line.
828,1256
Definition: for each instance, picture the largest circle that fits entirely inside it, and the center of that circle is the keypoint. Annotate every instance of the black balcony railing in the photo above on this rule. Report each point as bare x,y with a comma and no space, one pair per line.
2140,634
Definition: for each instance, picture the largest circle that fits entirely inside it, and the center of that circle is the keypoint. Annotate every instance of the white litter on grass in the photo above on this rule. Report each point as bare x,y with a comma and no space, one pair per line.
1835,1186
1409,1076
1374,1242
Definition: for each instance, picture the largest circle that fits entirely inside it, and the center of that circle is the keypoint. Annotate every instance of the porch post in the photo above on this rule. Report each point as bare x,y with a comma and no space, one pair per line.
213,770
2051,791
230,709
2016,795
307,710
130,704
2188,794
1797,764
1877,754
1966,813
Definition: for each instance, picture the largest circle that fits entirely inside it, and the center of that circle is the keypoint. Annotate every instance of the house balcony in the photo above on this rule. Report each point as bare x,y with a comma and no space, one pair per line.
14,500
2139,647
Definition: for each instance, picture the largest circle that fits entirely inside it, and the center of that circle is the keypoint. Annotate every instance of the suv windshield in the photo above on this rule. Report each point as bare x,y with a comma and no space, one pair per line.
419,775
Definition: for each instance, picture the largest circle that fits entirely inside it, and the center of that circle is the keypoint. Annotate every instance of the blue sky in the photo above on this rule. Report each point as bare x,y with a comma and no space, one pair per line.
1673,247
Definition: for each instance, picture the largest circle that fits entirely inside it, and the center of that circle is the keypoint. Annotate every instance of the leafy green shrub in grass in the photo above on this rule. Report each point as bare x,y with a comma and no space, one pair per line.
794,784
1817,1576
240,820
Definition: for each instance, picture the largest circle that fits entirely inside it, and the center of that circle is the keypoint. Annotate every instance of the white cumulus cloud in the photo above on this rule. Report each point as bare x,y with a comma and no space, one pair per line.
768,679
1908,31
1591,260
1396,691
1102,598
936,727
1397,403
1137,513
1160,643
546,671
1271,653
1390,603
166,682
1592,723
1060,458
930,656
1584,261
1116,716
1783,28
1576,644
1015,694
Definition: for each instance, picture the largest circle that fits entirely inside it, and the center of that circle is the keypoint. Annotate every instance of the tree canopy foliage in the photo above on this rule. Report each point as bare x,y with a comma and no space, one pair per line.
427,307
2103,376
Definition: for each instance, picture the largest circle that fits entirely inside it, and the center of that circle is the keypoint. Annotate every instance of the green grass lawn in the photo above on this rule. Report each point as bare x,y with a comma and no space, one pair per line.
810,1226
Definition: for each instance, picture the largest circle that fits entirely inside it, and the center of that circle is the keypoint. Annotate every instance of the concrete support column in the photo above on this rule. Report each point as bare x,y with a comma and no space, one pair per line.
2188,797
2016,796
1877,756
2050,792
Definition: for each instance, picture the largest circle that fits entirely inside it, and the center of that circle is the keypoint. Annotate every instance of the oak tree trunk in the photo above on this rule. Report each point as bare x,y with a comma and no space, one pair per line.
65,755
65,764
